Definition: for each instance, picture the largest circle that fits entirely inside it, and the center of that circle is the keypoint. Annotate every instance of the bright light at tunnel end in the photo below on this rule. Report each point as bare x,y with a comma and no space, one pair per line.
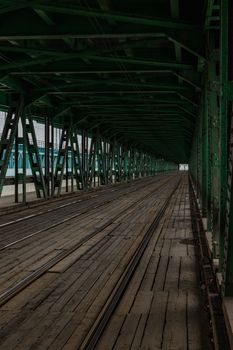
183,167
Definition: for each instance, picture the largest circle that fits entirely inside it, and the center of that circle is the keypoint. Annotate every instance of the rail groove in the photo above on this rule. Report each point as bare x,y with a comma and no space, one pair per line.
89,209
97,329
83,198
24,282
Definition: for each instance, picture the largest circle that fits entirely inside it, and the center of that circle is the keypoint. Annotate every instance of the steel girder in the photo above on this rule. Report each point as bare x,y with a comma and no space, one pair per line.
8,136
139,65
212,143
29,143
94,160
206,155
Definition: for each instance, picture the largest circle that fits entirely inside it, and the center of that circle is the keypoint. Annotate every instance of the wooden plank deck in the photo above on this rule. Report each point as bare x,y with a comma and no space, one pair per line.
162,306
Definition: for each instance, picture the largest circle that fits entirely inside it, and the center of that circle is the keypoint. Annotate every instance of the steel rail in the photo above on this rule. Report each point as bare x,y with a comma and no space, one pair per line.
86,198
10,292
87,210
97,329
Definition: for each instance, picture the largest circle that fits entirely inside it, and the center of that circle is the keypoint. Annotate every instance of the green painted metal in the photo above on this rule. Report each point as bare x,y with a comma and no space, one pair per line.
8,136
140,87
205,156
102,58
214,138
226,109
29,143
223,120
214,125
76,11
77,165
61,159
34,158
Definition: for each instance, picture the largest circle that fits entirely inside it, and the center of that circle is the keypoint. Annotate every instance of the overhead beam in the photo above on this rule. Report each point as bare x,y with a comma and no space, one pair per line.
88,72
45,17
118,17
140,42
175,10
157,63
103,83
105,92
12,7
190,82
91,55
179,44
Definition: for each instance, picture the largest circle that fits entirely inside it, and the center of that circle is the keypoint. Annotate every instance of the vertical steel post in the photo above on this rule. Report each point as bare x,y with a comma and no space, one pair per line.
119,162
224,37
227,260
92,160
34,157
109,168
52,156
61,159
67,170
205,154
214,115
83,158
72,168
8,137
105,163
76,159
47,154
125,166
16,165
23,118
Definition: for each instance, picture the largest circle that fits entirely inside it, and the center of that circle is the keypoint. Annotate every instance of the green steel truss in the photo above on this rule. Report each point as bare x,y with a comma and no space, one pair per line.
137,87
8,137
130,68
211,155
61,159
95,160
33,155
77,165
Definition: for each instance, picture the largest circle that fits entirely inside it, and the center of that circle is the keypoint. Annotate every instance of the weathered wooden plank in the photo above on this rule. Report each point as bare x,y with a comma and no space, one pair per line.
173,274
153,333
194,321
175,331
188,274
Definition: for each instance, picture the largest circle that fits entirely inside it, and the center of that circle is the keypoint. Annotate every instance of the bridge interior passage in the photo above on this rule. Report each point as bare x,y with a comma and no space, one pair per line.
63,264
135,88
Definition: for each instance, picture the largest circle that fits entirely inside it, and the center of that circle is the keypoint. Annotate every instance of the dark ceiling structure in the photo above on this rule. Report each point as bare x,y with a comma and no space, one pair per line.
131,68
